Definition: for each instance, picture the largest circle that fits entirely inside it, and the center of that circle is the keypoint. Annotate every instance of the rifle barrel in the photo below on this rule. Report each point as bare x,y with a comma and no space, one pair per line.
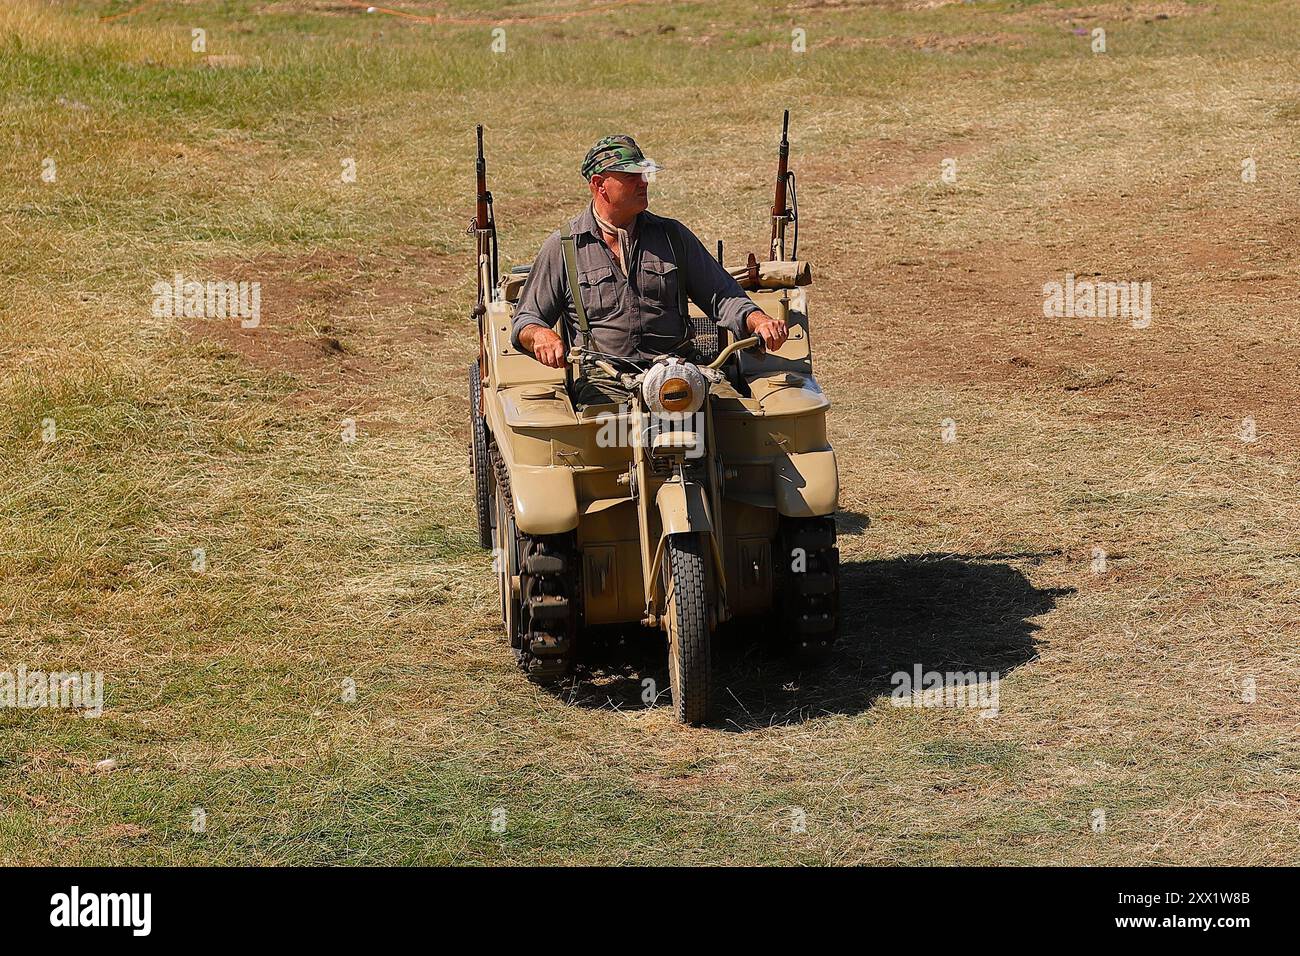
480,169
779,212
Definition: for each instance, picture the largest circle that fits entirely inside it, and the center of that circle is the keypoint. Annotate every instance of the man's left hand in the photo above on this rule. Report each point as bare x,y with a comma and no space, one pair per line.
772,331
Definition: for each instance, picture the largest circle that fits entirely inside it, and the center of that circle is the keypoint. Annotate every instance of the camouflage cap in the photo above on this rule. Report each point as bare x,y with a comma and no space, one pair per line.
617,154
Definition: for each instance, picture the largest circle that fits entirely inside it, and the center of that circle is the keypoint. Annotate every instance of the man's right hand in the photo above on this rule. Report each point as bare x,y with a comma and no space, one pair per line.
546,346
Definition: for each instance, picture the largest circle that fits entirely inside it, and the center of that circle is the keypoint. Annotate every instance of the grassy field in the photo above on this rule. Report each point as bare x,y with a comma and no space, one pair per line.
331,564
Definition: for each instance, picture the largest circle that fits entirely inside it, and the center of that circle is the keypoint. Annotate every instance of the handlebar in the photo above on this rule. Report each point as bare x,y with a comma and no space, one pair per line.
574,357
732,349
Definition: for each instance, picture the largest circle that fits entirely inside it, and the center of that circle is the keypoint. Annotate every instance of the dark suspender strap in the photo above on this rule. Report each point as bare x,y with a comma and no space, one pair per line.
575,289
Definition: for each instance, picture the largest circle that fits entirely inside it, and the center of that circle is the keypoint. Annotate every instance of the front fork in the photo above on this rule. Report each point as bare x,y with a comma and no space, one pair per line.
684,506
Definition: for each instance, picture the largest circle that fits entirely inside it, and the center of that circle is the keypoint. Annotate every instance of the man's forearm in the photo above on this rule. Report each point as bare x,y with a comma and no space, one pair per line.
525,326
543,296
733,314
715,290
546,346
527,334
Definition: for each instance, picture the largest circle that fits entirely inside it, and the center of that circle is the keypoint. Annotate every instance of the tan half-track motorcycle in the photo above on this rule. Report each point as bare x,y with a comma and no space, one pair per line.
706,496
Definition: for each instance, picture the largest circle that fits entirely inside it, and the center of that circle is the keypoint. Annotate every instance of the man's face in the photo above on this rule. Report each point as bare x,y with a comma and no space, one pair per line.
626,193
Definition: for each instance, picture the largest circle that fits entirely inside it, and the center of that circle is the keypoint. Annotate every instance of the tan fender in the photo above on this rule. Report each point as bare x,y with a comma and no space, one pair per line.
807,484
545,500
683,508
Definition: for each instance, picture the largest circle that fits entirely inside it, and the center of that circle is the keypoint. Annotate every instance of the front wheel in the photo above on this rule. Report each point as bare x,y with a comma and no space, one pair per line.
687,614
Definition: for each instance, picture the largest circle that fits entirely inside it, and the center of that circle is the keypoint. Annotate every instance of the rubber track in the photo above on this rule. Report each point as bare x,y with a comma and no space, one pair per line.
552,665
478,451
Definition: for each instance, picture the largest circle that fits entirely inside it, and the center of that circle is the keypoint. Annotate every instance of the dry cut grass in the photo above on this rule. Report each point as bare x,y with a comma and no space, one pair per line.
330,561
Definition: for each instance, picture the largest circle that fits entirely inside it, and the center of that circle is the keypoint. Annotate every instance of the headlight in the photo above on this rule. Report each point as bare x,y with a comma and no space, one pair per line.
674,388
676,395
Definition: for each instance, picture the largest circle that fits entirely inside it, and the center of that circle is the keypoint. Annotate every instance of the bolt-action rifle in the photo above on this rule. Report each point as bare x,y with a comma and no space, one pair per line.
484,228
782,214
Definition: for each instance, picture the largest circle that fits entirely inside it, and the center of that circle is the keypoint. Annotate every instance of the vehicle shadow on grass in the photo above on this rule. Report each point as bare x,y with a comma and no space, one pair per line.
944,612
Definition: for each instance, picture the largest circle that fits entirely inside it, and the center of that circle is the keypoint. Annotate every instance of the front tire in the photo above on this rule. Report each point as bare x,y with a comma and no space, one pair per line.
690,668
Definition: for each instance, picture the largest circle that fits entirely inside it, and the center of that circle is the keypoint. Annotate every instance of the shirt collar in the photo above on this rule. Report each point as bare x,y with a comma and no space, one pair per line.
587,222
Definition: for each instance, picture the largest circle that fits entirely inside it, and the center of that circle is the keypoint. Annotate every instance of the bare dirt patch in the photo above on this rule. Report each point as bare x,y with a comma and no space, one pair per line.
930,42
974,316
324,315
883,163
1110,12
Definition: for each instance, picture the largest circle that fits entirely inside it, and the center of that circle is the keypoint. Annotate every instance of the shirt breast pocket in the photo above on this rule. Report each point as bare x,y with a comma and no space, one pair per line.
599,296
661,280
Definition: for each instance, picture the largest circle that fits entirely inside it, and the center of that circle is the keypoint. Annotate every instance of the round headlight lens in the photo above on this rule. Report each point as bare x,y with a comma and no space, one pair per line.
673,387
676,395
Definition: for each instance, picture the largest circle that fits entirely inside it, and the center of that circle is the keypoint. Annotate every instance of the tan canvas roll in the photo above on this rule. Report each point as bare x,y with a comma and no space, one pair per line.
775,275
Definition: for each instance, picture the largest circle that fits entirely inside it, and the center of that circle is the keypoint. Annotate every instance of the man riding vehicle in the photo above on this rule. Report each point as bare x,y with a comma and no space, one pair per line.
628,265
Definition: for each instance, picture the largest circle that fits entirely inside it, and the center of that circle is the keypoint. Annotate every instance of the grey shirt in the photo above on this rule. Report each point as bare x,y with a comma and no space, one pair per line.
634,315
